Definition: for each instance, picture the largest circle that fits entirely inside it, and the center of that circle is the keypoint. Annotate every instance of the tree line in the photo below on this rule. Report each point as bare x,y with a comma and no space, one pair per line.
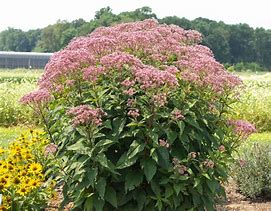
231,44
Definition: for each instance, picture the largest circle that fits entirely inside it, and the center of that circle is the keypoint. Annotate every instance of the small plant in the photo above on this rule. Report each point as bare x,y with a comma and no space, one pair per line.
140,114
23,185
252,171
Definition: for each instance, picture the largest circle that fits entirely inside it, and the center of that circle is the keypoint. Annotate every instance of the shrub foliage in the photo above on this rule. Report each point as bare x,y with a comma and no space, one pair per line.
139,111
252,171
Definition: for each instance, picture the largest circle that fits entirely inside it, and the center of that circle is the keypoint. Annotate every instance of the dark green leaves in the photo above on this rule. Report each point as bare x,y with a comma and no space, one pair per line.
100,186
129,158
133,180
149,167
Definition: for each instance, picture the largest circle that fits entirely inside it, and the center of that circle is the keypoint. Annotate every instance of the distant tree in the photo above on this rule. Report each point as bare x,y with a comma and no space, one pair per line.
242,43
14,40
182,22
33,37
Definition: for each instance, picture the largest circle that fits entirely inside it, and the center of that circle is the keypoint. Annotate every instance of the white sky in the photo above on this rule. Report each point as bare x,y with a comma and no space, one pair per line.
32,14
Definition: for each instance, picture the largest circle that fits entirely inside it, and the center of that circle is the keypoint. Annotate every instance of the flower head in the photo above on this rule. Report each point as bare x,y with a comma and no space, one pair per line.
84,115
41,96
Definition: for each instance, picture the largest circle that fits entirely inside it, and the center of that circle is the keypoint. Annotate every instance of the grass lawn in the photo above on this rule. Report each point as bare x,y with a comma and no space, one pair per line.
10,133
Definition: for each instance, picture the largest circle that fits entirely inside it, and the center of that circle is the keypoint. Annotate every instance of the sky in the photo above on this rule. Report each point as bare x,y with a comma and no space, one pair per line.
32,14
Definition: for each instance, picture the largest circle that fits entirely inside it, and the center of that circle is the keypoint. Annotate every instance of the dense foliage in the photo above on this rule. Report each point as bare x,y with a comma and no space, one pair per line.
139,126
23,185
252,171
230,43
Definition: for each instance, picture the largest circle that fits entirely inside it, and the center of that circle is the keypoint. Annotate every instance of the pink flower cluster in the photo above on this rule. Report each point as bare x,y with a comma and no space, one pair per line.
242,127
163,143
63,64
137,45
133,113
151,77
177,115
181,169
85,115
159,100
41,96
208,163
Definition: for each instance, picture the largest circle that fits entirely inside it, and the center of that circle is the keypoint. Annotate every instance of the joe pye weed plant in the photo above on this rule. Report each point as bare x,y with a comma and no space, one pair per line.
139,113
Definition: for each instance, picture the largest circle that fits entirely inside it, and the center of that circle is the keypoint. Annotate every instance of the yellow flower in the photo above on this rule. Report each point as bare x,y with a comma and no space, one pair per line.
1,151
23,190
35,168
34,183
16,181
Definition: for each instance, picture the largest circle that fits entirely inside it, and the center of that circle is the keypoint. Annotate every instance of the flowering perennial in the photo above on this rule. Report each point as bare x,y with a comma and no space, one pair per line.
242,127
135,45
84,115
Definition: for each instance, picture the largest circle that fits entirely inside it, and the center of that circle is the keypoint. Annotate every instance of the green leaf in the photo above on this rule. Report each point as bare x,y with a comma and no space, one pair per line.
135,148
102,159
79,147
124,162
192,122
98,203
101,184
111,196
104,143
133,180
156,189
169,191
118,124
88,206
181,127
92,174
177,187
140,197
163,157
149,167
107,124
171,136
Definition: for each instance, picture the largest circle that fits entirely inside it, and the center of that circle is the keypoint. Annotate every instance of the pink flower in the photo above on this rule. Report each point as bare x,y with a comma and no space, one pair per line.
177,115
133,113
209,163
192,155
181,169
221,148
130,91
127,83
242,127
160,99
85,115
163,143
41,96
151,77
50,149
92,73
130,102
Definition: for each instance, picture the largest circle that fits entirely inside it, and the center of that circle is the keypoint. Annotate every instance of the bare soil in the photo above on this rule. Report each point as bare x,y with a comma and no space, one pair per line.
237,202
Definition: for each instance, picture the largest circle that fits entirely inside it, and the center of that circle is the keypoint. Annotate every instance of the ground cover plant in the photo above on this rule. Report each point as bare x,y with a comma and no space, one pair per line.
23,185
139,112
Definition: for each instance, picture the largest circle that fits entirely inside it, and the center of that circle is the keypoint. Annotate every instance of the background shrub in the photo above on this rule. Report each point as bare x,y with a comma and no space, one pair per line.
252,171
139,112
